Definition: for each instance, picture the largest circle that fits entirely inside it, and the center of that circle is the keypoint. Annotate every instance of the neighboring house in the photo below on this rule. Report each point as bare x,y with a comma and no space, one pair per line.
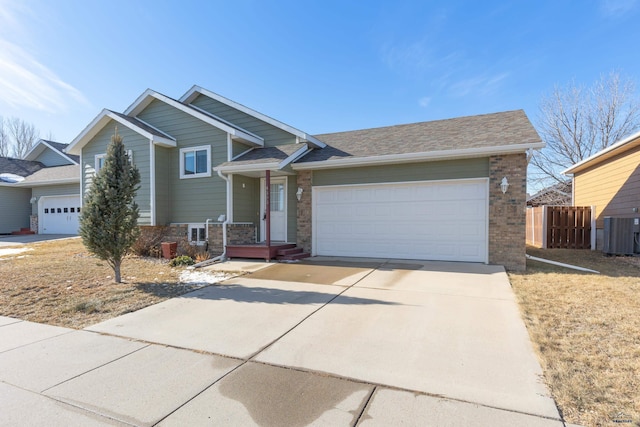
40,193
610,182
427,190
555,195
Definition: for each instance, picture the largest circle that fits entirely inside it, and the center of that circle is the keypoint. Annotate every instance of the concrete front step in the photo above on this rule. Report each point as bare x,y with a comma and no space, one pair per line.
289,251
291,254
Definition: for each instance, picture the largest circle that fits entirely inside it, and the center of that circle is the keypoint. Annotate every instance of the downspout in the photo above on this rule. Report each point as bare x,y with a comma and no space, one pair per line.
224,230
227,217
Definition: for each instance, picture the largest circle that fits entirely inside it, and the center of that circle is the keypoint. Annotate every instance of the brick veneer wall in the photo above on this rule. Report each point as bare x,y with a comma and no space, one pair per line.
241,234
304,181
33,223
507,216
237,234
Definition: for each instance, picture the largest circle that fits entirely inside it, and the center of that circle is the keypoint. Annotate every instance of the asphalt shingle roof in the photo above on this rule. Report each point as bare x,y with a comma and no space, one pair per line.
19,167
265,155
482,131
55,173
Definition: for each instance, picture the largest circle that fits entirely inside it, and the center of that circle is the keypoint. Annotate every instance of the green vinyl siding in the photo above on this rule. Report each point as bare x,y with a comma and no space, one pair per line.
238,148
53,190
163,199
15,208
139,146
272,135
52,158
246,200
193,199
425,171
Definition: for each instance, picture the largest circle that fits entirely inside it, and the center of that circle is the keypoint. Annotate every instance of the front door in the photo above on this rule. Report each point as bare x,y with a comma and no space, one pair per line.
278,209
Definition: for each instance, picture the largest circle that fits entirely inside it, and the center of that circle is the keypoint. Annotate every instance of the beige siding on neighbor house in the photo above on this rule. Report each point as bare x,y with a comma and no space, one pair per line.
612,186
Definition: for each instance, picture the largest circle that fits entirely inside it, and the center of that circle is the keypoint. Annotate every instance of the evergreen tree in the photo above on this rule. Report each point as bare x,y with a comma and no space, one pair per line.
109,217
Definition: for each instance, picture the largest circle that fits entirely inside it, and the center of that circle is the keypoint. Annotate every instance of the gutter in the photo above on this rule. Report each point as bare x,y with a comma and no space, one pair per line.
417,157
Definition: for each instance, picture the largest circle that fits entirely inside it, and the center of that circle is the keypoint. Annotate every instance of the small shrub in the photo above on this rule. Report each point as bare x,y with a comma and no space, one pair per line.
186,248
202,256
181,260
148,243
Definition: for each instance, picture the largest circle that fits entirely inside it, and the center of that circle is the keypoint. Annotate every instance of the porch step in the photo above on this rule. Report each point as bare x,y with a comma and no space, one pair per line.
23,231
291,254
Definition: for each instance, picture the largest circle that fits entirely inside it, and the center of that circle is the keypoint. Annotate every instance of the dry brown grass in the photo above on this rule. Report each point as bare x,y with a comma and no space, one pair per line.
60,283
586,330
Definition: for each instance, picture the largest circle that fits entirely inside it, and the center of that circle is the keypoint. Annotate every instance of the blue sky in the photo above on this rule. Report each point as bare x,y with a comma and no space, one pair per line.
320,66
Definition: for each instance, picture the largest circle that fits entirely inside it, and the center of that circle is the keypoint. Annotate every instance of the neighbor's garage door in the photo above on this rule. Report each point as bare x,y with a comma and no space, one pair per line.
59,215
443,220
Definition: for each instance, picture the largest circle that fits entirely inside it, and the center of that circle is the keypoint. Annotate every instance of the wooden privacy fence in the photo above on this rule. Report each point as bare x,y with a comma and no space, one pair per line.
566,227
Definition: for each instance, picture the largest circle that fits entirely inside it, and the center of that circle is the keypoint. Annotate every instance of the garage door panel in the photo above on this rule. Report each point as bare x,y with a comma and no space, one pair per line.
426,220
59,214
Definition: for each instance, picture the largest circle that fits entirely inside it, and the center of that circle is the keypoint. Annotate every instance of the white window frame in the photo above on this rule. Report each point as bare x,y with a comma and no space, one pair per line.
185,150
97,161
198,241
104,156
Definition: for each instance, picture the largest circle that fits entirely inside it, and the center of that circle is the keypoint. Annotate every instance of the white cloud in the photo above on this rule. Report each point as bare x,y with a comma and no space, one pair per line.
617,8
25,82
482,84
424,101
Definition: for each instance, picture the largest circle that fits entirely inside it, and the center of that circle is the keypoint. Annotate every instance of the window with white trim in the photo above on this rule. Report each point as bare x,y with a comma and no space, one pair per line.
100,159
195,162
197,234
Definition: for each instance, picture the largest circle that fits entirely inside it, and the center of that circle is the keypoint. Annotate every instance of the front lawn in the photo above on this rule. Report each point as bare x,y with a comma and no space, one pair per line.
60,283
586,330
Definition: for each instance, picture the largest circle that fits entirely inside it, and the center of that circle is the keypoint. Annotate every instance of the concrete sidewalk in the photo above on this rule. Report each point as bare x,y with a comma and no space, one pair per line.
374,343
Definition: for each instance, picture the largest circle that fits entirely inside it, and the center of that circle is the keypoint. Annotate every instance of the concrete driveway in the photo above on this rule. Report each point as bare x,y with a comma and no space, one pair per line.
368,342
23,239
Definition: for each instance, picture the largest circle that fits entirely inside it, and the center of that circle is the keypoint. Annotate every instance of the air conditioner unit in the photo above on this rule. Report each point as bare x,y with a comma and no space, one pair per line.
619,235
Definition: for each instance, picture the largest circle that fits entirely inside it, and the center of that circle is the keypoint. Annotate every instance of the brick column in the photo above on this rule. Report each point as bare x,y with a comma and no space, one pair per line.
304,181
507,212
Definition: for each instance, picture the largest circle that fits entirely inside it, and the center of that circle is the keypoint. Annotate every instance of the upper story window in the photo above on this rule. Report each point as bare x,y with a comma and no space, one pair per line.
195,162
100,158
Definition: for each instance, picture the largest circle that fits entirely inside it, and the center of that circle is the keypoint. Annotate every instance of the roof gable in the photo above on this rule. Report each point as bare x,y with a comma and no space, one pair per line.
472,136
195,91
236,132
156,136
619,147
58,148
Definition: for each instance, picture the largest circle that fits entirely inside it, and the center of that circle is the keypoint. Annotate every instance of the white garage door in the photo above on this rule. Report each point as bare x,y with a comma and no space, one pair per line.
443,220
59,215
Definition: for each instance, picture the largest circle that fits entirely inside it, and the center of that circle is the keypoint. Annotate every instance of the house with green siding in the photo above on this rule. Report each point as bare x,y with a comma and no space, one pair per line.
40,193
221,174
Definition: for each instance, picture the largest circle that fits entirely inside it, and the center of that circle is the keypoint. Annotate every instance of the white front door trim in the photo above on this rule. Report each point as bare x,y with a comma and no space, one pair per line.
277,180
